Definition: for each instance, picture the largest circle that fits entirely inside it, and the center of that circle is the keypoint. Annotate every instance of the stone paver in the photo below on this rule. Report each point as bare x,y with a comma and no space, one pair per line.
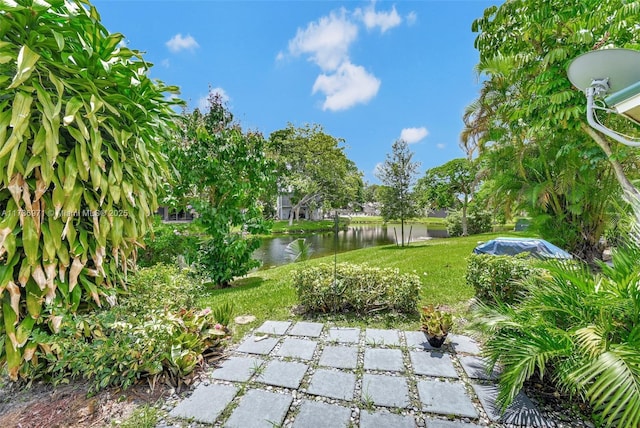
380,419
439,423
308,329
297,348
476,368
283,373
262,346
344,334
340,357
384,390
417,339
206,403
334,384
259,409
434,364
238,369
464,344
274,327
383,359
521,412
377,337
314,414
445,398
247,390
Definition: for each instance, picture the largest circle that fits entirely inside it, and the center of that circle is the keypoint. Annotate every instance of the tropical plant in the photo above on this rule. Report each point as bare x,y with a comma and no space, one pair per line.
80,166
398,174
578,328
298,249
435,322
224,173
529,123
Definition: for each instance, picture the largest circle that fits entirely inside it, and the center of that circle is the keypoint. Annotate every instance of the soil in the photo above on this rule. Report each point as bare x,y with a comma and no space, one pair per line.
42,405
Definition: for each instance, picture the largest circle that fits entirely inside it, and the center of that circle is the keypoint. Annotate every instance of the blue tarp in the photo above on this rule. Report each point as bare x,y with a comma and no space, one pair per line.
511,246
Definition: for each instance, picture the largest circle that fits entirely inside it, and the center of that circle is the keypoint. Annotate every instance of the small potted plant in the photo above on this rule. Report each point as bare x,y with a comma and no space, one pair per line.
435,325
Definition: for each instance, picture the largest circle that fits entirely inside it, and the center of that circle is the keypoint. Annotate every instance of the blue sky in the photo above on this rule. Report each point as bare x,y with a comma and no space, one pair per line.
368,72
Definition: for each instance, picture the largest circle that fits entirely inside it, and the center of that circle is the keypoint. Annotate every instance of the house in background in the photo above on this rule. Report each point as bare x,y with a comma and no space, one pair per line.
166,214
284,209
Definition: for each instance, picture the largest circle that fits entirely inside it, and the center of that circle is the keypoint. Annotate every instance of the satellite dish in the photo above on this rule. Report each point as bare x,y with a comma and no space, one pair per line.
620,66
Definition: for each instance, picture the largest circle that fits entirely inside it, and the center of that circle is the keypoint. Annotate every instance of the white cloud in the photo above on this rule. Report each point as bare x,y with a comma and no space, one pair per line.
166,63
349,85
178,43
203,102
413,135
382,20
377,169
327,41
412,17
441,146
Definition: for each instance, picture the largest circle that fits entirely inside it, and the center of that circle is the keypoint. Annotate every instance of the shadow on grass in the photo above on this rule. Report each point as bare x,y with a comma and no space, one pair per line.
406,247
239,284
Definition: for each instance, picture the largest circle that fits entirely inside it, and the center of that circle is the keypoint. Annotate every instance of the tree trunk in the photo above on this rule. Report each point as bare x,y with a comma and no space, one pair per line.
465,231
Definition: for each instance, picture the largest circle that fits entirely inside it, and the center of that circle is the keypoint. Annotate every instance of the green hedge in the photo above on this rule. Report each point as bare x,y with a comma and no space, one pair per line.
358,288
499,277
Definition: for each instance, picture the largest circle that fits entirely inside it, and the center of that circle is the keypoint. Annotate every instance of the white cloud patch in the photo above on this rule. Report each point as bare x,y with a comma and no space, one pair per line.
166,63
179,43
441,146
203,102
382,20
413,135
349,85
377,169
412,17
327,41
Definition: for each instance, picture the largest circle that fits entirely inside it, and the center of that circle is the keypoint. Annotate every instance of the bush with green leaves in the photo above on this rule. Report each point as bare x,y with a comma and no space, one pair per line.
80,165
499,278
357,288
155,333
477,222
169,241
581,330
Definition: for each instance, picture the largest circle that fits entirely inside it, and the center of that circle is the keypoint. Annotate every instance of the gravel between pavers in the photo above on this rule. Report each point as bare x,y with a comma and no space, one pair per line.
358,402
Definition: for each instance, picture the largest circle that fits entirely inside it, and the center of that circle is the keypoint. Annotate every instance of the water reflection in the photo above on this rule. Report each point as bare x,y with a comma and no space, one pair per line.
272,250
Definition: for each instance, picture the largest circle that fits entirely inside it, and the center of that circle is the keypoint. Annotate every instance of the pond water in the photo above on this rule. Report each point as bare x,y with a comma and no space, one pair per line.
272,251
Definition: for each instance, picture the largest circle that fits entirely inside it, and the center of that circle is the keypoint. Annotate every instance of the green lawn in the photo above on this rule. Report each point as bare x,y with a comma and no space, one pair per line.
306,226
440,263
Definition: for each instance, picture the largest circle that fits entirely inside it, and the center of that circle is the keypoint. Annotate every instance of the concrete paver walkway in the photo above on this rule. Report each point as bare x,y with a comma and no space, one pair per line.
307,375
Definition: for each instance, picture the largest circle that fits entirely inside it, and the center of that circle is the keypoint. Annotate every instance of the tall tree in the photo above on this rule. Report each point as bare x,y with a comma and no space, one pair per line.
223,174
80,165
313,168
398,173
526,98
451,185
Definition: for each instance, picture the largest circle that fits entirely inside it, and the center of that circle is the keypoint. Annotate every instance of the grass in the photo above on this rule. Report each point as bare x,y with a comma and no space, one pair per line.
373,219
306,226
440,263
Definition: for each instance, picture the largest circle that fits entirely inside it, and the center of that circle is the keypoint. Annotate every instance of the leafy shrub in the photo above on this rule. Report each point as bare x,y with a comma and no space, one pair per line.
358,288
167,242
580,329
148,335
499,278
81,124
477,222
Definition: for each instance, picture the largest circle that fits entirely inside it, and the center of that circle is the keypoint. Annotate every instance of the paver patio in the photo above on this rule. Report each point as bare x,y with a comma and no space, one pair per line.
306,374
